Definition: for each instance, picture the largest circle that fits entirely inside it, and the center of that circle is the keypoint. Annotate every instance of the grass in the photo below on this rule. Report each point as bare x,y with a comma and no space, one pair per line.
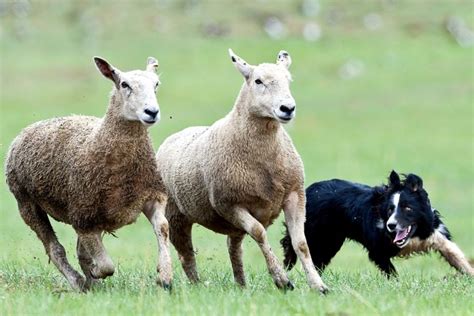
410,110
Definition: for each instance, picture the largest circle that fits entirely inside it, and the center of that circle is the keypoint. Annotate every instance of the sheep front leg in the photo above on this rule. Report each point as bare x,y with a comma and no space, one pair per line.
99,263
155,212
87,263
294,209
242,219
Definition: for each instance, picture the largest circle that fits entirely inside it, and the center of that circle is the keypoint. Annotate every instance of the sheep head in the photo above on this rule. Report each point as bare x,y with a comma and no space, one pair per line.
267,87
137,89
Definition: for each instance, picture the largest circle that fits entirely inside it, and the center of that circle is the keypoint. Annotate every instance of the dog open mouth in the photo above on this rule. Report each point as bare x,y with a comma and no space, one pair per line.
402,236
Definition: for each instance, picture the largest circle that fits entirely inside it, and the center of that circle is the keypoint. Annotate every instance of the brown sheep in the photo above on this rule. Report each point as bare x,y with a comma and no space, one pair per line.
96,175
235,176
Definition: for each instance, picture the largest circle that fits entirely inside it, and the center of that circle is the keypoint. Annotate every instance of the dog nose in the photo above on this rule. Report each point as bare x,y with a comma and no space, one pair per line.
152,113
288,109
391,226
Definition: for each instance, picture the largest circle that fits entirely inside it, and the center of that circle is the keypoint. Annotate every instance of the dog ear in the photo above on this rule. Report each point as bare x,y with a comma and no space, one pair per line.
393,180
414,182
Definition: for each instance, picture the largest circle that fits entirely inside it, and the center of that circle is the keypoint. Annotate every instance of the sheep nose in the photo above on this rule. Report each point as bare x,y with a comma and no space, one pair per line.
152,113
288,109
391,226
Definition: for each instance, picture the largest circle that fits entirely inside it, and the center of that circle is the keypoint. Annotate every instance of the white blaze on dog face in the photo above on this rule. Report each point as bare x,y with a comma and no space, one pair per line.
394,206
397,222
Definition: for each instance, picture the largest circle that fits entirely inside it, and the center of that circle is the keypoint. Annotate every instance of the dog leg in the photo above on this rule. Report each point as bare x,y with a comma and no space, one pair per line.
451,252
384,264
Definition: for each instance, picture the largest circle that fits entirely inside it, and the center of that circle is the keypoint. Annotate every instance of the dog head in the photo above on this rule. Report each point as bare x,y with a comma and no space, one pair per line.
407,209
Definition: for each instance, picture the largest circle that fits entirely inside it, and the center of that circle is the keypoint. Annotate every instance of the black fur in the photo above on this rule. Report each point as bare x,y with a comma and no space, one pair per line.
337,210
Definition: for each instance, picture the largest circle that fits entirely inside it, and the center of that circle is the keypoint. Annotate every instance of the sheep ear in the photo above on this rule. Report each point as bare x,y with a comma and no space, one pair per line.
241,65
414,182
107,70
394,179
284,59
152,64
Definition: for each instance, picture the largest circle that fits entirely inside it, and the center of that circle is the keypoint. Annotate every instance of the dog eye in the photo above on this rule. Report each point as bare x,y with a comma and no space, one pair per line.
258,81
125,85
408,209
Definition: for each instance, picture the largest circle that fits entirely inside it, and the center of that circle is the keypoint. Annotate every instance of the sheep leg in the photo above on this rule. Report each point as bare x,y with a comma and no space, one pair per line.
39,222
242,219
86,262
181,238
155,212
451,252
294,209
102,266
234,245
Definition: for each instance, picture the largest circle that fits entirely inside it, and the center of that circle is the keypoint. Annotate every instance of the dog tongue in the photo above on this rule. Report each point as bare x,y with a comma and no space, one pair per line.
401,234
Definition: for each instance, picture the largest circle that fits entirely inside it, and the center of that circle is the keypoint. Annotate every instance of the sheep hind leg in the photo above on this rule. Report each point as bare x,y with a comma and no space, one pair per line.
234,245
94,250
39,222
181,238
242,219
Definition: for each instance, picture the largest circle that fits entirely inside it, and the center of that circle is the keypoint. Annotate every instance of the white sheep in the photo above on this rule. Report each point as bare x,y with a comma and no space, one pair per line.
235,176
96,175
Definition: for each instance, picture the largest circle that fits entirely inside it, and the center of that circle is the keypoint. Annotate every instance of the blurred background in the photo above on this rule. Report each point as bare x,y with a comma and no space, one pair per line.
379,85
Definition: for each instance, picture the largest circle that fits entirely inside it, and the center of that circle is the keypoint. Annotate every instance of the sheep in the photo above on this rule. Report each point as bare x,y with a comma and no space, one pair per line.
96,175
235,176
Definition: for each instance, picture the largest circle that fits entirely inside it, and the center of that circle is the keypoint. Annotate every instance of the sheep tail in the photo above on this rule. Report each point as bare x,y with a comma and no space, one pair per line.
288,251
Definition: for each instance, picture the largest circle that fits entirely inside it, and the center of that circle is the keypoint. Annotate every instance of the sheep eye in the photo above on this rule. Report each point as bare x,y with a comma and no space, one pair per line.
156,86
258,81
125,85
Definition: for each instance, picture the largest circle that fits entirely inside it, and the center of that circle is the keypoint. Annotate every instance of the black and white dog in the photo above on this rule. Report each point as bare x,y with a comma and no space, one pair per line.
389,220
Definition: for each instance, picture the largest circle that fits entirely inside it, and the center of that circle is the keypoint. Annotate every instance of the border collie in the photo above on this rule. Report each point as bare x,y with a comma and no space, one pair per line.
389,220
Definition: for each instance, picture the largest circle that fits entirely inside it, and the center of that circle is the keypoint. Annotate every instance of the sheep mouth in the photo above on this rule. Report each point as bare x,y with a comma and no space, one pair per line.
149,122
284,118
403,235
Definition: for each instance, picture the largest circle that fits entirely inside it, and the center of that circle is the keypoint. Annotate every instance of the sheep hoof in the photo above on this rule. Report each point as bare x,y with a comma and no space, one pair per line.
285,286
289,286
323,290
91,282
167,286
79,284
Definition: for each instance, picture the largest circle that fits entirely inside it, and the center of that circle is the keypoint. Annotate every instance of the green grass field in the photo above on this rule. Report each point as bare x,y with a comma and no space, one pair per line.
410,110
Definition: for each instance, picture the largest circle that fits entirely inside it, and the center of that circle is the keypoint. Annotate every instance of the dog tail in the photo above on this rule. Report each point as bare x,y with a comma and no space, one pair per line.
288,251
